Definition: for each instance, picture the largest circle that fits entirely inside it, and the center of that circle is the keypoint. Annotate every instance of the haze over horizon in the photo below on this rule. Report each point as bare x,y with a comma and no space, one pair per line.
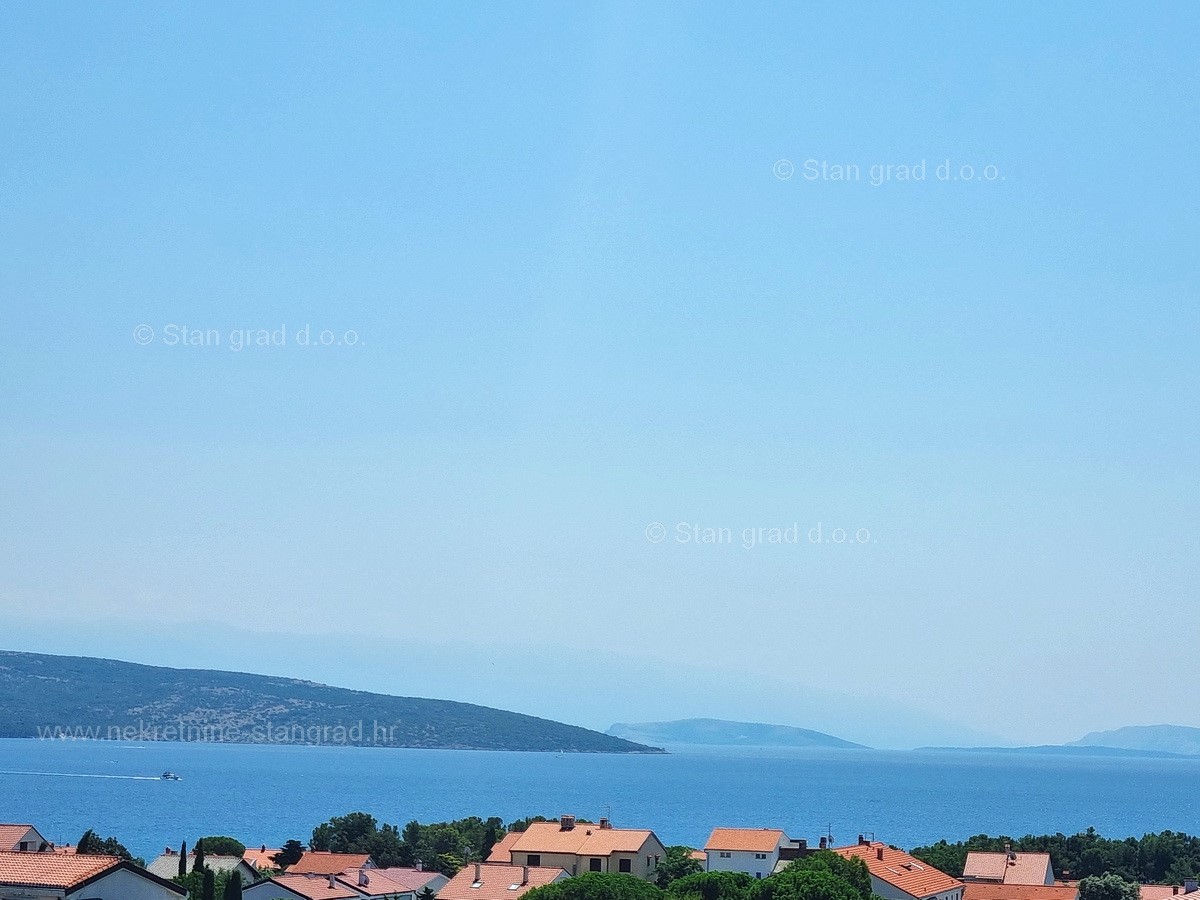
594,295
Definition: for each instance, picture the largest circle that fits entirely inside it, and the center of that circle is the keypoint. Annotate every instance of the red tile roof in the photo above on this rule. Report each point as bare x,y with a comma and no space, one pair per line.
756,840
315,887
260,857
51,870
1011,868
581,840
322,862
11,835
900,870
982,890
498,882
502,850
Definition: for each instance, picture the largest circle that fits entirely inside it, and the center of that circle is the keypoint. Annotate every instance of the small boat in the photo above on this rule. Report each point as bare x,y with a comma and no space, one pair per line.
170,776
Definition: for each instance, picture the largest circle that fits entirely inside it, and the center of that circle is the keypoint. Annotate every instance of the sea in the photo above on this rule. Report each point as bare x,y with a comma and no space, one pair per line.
266,794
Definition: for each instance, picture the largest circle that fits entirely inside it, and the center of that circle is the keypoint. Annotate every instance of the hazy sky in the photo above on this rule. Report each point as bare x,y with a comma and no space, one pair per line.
583,269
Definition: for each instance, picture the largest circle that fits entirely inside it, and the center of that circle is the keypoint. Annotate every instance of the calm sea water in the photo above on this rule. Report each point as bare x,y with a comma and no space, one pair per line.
267,794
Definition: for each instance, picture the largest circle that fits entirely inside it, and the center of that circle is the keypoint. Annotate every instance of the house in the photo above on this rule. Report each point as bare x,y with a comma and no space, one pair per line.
1009,867
167,865
378,884
22,838
990,890
415,880
261,858
322,862
360,884
754,851
1189,890
498,881
300,887
582,847
58,876
897,876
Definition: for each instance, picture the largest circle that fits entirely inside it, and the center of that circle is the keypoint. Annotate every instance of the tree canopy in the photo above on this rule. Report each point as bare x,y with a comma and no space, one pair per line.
1168,857
220,845
441,846
1108,887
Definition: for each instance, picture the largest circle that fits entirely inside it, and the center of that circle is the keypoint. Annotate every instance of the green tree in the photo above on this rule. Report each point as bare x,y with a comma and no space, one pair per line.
344,834
598,886
198,865
853,870
426,893
678,863
208,889
1107,887
807,884
233,887
183,859
219,845
289,854
714,886
91,845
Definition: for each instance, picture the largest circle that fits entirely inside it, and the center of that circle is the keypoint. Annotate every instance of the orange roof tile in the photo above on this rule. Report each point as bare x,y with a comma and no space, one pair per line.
322,862
51,870
757,840
260,857
1011,868
11,835
1159,891
581,840
699,855
900,870
315,887
502,850
980,890
498,882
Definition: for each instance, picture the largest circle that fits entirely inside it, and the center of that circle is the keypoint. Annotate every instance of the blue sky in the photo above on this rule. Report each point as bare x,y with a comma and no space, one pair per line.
576,277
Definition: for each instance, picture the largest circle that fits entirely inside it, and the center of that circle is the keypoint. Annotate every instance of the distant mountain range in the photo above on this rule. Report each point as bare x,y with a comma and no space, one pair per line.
722,733
1132,740
1178,739
81,697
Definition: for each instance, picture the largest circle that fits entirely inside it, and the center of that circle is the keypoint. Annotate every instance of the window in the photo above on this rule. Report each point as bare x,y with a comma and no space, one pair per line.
725,855
594,864
625,865
533,859
760,856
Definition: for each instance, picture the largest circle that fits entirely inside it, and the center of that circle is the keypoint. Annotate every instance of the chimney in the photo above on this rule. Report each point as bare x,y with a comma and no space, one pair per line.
1174,889
824,845
363,880
566,823
264,849
879,853
861,840
478,873
420,866
524,874
604,823
332,881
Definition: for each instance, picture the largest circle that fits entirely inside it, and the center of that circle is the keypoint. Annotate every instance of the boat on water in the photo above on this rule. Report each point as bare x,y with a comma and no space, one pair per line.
169,776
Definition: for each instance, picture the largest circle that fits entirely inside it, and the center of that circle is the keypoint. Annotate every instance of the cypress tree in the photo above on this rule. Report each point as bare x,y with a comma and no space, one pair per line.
183,859
199,864
209,891
233,887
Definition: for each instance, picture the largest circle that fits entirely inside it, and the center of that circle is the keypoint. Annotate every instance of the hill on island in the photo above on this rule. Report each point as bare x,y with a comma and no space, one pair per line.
1179,739
81,697
722,733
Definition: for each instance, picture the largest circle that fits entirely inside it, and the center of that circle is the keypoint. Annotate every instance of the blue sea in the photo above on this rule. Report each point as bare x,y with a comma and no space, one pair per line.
267,794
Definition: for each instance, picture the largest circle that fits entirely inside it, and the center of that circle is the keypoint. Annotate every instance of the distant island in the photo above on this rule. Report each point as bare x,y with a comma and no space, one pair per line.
1177,739
81,698
722,733
1133,740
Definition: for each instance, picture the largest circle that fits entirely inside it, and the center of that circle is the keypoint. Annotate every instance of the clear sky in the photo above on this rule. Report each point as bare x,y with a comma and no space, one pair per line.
586,268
